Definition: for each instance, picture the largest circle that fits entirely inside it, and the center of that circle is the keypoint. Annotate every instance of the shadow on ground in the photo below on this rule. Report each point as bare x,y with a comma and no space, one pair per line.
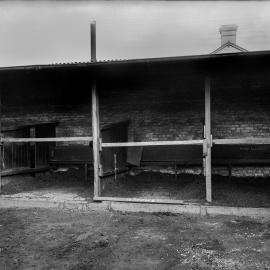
67,185
70,186
241,192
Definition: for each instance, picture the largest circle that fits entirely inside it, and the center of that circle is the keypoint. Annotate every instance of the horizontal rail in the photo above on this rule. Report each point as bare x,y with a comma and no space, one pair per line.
142,200
23,170
243,141
56,139
153,143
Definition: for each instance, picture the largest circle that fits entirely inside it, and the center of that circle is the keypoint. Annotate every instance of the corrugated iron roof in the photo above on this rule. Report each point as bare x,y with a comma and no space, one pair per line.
172,59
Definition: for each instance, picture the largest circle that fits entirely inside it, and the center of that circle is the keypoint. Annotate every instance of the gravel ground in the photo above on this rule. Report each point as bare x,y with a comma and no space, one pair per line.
57,186
70,186
54,239
242,192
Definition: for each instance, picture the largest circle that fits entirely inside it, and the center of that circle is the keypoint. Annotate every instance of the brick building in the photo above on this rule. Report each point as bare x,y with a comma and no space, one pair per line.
163,99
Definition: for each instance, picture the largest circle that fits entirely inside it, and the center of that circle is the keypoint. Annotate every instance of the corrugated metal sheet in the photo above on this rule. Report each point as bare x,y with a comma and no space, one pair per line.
171,59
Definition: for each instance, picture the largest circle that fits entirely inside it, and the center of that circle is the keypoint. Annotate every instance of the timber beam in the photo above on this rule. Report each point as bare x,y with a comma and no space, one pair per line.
208,140
53,139
95,118
153,143
242,141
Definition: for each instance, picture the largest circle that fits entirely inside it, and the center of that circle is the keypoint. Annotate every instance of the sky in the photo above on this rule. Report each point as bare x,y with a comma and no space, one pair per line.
45,32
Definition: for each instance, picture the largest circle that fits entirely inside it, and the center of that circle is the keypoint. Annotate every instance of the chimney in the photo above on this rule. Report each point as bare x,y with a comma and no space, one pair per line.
228,33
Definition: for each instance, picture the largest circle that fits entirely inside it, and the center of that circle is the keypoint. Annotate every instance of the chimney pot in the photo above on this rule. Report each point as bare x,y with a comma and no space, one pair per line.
228,33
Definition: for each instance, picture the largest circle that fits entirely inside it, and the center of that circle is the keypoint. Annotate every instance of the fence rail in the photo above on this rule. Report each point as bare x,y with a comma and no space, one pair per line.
242,141
54,139
153,143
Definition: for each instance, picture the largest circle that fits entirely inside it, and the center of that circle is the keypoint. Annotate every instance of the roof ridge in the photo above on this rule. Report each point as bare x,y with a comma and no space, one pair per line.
228,43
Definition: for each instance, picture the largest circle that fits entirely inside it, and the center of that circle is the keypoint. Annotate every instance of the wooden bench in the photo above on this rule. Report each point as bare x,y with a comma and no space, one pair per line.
222,155
72,155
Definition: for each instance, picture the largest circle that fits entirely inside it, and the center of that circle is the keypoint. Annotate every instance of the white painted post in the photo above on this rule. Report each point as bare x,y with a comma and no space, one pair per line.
208,137
95,118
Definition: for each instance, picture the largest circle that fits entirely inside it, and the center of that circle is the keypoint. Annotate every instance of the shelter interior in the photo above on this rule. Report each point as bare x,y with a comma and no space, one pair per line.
151,105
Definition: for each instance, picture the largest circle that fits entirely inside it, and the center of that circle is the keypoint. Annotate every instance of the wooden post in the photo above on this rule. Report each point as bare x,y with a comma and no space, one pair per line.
85,171
95,118
33,151
1,144
93,41
208,138
96,140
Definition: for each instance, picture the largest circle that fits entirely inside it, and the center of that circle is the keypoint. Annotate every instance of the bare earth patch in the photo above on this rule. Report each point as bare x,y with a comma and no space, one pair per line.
240,192
70,186
62,239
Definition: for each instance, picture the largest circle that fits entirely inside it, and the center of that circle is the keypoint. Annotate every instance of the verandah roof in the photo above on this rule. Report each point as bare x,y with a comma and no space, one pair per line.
196,64
71,83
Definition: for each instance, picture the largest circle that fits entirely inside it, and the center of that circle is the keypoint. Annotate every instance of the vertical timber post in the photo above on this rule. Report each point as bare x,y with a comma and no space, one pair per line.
208,139
1,145
93,41
95,117
33,151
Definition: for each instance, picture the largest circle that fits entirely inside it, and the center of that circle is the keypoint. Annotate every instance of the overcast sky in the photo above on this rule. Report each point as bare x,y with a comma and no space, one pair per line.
41,32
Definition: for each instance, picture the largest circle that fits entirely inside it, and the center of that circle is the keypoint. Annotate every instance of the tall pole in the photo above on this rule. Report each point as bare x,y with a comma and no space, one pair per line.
95,117
208,139
93,41
1,146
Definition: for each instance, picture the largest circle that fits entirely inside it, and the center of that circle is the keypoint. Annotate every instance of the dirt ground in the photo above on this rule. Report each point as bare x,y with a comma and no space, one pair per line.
242,192
65,239
59,186
70,186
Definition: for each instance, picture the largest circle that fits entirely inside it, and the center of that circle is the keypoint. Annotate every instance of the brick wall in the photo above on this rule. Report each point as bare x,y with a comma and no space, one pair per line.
71,123
170,110
176,111
160,113
241,112
156,112
47,100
